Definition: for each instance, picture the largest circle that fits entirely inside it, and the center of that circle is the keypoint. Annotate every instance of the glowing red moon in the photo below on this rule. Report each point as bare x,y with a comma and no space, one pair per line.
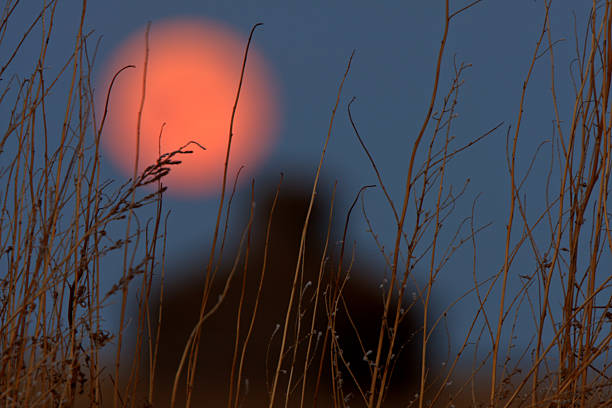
192,78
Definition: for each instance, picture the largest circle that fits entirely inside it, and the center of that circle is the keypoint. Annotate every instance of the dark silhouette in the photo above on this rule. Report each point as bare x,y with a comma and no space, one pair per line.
362,296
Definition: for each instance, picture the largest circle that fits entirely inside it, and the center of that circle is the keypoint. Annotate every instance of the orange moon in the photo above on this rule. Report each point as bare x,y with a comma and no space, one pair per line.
192,79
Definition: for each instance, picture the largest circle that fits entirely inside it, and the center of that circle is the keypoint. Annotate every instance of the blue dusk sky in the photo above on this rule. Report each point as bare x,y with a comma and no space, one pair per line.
307,46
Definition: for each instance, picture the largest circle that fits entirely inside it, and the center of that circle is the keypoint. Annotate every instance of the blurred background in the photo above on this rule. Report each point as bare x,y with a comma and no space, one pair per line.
307,46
